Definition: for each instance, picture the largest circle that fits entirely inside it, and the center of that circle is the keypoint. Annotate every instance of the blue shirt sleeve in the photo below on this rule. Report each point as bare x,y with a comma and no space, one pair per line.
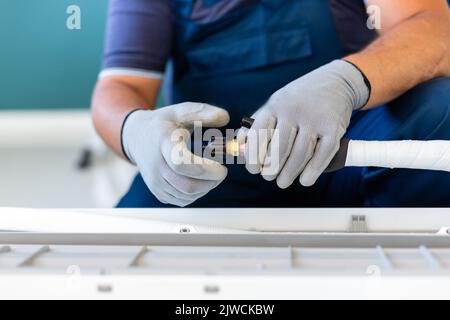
138,35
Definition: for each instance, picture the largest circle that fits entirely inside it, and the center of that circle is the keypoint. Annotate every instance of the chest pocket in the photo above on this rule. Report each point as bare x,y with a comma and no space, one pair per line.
244,36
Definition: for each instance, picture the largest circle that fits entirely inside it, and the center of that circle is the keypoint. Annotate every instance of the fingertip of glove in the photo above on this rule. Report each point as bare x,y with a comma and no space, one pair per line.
252,169
218,171
283,184
224,173
308,179
217,115
268,177
242,135
215,172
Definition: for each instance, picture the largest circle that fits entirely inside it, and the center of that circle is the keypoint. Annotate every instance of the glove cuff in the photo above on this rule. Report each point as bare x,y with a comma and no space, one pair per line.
366,81
122,131
355,79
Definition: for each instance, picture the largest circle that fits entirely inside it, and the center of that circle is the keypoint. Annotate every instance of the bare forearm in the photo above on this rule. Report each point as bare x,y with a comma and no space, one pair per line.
413,52
111,102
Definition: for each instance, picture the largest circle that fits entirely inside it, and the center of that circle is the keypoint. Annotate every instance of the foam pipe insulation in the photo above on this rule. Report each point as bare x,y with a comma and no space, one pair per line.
407,154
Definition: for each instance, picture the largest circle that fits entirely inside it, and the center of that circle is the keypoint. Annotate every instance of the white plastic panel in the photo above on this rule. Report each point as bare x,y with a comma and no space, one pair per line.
335,259
135,259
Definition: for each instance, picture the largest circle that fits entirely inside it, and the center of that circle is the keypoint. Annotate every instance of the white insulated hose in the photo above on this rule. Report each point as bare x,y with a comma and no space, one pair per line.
407,154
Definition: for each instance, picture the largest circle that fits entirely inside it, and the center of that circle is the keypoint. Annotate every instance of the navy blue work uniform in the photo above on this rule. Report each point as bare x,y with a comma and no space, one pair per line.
236,53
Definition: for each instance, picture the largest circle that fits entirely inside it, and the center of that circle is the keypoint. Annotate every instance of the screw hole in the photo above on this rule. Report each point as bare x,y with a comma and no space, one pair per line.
212,289
185,230
104,288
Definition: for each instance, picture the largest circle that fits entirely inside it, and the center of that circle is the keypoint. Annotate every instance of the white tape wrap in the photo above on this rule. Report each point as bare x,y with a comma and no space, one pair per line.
408,154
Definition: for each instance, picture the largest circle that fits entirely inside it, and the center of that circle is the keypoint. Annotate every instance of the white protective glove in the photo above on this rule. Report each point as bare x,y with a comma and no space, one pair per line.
310,116
157,142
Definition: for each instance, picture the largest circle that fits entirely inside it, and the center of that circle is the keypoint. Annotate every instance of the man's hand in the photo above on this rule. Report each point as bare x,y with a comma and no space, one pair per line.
310,116
156,141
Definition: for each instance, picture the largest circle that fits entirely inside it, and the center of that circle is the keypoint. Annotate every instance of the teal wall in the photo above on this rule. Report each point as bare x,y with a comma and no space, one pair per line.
43,65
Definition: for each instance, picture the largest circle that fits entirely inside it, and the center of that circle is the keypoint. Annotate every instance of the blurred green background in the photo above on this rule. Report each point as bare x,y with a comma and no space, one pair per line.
44,65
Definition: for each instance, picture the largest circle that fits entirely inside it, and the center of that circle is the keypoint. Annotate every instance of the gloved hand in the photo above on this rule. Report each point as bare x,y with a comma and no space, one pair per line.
156,141
310,116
